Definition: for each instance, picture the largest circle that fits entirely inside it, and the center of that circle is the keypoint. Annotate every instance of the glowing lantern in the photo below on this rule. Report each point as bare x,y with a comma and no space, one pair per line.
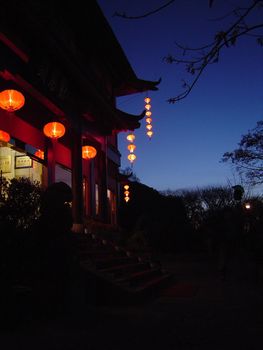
54,130
40,154
126,193
11,100
132,157
149,127
149,133
147,100
88,152
131,137
148,117
4,136
131,147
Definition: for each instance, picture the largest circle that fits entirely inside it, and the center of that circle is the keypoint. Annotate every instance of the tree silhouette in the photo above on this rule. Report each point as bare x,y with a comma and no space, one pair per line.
248,157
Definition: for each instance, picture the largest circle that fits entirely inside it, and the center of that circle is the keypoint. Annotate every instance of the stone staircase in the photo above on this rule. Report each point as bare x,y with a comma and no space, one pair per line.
116,275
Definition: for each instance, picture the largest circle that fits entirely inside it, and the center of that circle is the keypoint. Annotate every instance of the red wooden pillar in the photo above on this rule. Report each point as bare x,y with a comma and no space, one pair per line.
51,160
77,181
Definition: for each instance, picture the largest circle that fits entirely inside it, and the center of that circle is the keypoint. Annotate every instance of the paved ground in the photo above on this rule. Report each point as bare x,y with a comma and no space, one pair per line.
220,315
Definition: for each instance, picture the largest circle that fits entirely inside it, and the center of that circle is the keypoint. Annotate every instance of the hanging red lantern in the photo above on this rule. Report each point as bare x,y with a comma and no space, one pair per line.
126,199
131,147
54,130
126,187
147,100
149,127
88,152
4,136
131,137
40,154
149,133
132,157
148,107
148,113
11,100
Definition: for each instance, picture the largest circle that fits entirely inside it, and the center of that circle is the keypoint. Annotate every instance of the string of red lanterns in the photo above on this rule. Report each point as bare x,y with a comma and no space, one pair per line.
126,193
148,119
131,147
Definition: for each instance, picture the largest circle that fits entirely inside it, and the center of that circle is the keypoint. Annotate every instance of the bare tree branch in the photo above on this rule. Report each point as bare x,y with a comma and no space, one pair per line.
209,53
123,15
222,39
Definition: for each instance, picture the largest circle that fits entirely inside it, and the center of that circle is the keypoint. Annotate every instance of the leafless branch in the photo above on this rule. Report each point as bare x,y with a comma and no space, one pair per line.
123,15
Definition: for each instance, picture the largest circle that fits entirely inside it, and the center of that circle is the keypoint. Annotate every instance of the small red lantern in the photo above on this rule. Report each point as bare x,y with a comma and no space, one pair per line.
149,127
131,157
54,130
131,147
147,100
131,137
88,152
40,154
150,133
4,136
11,100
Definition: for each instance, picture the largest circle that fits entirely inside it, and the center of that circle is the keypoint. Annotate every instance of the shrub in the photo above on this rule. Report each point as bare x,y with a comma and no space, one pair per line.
20,202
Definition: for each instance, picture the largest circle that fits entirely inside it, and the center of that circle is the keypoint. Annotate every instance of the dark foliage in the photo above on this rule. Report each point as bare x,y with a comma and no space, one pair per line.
20,202
160,220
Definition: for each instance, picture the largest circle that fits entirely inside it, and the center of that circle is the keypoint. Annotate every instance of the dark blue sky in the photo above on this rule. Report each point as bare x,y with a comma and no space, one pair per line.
190,136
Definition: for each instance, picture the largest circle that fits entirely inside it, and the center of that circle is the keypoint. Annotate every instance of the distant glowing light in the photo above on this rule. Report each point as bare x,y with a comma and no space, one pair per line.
40,154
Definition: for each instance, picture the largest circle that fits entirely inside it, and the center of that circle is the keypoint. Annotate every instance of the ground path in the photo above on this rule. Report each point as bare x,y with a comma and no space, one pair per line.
217,315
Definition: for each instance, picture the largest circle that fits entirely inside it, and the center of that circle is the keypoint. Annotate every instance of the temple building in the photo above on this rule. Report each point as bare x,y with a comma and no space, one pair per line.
61,70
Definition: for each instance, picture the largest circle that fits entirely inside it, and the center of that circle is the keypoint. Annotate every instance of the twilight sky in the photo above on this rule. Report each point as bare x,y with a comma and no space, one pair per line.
190,136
